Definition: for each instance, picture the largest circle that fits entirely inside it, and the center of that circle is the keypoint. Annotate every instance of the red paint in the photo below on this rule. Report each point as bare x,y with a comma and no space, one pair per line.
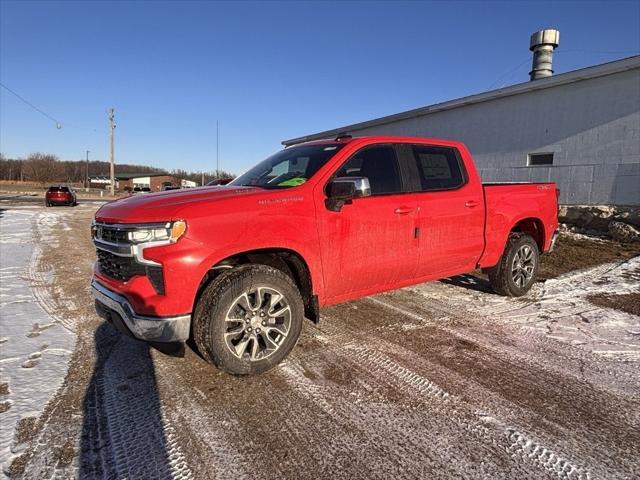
369,246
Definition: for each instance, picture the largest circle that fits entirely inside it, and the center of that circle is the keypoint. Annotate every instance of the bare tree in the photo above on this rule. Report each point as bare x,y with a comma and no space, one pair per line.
43,168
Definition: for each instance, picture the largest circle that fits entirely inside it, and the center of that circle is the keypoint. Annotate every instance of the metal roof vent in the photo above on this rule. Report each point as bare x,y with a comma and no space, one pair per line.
542,44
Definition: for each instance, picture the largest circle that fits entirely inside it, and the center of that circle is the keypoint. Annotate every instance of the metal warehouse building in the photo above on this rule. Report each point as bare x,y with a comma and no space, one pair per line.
580,129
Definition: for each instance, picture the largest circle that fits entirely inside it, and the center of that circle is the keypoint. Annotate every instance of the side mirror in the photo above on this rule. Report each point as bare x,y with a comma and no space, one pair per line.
342,190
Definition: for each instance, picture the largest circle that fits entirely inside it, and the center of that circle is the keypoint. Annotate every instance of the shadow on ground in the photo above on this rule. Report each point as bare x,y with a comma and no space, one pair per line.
470,282
123,432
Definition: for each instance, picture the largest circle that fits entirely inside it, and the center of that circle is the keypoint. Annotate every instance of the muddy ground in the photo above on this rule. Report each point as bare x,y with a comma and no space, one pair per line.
442,380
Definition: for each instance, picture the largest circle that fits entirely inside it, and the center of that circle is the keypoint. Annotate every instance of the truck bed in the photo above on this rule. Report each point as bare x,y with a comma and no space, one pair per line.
507,204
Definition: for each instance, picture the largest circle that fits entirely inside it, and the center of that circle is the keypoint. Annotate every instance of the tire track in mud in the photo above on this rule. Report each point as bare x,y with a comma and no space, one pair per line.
391,445
600,454
522,339
308,438
535,450
40,284
442,405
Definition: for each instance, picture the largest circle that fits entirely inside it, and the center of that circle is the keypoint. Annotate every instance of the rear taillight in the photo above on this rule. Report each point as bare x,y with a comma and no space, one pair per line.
558,199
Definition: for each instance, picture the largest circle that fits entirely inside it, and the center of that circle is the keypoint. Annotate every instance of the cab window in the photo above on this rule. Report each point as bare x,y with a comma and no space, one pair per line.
379,164
439,168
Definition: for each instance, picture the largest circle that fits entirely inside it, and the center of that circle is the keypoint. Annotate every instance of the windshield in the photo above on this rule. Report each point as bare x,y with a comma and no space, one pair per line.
290,167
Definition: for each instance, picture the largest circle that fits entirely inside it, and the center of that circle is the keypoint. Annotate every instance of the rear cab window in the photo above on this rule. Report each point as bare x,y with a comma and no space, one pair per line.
439,168
58,189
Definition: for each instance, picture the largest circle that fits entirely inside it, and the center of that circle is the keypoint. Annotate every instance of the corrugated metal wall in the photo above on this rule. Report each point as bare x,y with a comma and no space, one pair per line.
591,126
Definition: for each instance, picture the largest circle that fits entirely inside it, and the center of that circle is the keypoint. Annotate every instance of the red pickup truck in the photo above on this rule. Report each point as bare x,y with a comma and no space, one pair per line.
237,267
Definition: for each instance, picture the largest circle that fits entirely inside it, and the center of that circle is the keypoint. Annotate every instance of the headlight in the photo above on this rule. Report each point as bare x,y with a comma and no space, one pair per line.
171,231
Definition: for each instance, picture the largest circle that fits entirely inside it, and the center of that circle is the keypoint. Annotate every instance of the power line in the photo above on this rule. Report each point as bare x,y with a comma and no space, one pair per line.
509,72
58,124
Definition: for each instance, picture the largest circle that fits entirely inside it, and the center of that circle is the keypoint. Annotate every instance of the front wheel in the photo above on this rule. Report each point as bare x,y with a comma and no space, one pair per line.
248,319
516,272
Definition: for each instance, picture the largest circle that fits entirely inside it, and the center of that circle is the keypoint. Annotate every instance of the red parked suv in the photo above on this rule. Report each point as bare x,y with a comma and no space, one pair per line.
60,195
238,267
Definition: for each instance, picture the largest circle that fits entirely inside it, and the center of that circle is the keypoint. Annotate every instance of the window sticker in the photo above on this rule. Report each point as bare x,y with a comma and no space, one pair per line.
293,182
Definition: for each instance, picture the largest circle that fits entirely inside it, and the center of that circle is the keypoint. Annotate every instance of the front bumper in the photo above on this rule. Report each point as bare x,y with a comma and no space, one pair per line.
150,329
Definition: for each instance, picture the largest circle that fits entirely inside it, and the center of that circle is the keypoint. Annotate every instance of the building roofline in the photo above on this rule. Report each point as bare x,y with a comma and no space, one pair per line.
595,71
128,175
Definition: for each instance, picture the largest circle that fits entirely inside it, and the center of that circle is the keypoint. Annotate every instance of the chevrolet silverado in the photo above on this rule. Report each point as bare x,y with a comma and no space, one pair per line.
237,267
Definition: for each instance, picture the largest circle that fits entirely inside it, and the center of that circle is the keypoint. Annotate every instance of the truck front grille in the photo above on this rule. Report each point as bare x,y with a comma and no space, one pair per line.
111,240
117,267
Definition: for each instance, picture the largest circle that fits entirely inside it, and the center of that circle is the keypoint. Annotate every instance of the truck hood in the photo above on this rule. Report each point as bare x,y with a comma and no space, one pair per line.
165,206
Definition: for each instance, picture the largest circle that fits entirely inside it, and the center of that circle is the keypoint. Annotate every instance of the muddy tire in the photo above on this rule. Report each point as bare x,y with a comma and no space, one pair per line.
516,272
248,319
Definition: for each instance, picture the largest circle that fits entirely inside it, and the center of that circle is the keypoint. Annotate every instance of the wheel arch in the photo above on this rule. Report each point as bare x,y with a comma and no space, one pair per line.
286,260
532,226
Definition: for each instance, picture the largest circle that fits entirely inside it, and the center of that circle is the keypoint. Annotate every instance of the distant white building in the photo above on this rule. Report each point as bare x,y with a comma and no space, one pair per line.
188,184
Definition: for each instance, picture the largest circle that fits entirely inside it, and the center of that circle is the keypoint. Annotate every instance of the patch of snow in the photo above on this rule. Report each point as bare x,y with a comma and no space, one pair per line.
36,350
559,307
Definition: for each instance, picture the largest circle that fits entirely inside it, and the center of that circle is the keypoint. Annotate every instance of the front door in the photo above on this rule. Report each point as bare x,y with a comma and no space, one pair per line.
369,244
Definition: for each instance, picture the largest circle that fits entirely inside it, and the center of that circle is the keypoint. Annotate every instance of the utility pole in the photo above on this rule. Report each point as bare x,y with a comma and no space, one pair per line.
112,127
87,182
202,184
217,153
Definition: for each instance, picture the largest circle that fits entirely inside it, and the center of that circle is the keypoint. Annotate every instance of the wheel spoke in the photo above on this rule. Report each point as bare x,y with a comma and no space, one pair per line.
280,329
237,331
244,302
274,300
241,347
259,299
269,342
280,312
254,348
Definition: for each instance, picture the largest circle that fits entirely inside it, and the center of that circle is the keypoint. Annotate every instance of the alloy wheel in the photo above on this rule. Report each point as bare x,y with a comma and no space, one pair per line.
523,266
257,323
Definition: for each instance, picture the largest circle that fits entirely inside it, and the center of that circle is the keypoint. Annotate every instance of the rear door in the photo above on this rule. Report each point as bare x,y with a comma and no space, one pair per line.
369,244
450,211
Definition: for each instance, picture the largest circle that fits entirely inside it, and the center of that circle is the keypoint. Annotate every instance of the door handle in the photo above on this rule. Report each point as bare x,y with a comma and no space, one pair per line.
403,210
471,204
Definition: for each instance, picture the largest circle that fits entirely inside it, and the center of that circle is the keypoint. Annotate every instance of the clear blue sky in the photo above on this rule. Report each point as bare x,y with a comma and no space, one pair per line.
266,71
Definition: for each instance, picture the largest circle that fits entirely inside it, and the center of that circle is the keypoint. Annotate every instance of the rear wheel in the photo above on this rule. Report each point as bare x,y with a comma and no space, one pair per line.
248,319
516,272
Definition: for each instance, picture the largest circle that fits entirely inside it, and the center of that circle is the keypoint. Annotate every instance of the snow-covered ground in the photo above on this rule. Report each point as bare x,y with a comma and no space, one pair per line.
557,308
34,347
